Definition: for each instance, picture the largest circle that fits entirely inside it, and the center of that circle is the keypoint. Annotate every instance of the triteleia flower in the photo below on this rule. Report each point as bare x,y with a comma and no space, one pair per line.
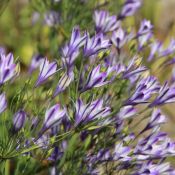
119,38
19,120
169,50
156,119
46,70
90,111
35,63
2,50
129,8
64,82
126,112
155,46
122,152
143,40
53,116
150,168
144,89
145,27
3,103
133,68
166,95
7,68
95,79
105,23
71,50
76,41
95,44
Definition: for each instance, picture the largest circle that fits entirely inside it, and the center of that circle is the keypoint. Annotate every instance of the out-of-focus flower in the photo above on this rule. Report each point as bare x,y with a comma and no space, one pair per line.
35,63
53,116
145,27
7,68
46,70
166,95
144,40
122,152
89,112
119,38
95,44
150,168
19,120
3,103
64,82
129,8
105,23
155,46
52,18
2,50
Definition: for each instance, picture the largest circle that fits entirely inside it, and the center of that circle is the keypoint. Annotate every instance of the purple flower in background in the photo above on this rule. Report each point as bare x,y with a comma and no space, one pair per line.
2,50
155,46
46,70
64,82
19,120
95,79
119,38
53,116
105,23
143,40
169,50
95,44
7,68
166,95
90,111
52,18
35,63
145,27
3,103
129,8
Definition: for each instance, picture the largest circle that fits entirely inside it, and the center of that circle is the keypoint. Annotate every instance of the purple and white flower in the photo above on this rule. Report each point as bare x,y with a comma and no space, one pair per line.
7,68
64,82
95,79
53,116
119,38
145,27
46,70
95,44
105,23
3,103
35,63
166,95
19,120
129,8
90,111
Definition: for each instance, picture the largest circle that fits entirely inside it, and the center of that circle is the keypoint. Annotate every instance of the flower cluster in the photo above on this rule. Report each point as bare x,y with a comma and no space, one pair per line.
99,113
